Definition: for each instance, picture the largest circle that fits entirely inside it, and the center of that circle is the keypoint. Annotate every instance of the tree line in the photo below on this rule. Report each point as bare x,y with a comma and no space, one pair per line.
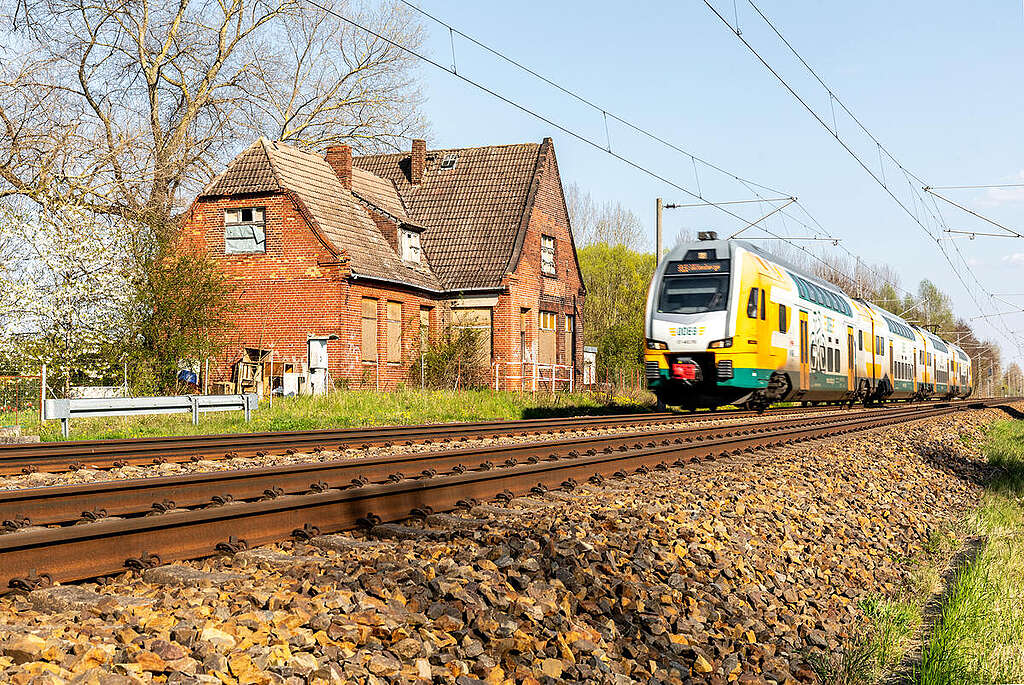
617,268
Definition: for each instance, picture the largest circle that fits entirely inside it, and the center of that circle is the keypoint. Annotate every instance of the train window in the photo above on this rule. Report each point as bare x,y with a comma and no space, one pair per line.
764,310
694,294
828,359
783,323
752,303
860,340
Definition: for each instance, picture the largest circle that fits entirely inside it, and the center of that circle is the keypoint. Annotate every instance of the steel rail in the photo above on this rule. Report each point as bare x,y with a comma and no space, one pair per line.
37,556
124,497
71,455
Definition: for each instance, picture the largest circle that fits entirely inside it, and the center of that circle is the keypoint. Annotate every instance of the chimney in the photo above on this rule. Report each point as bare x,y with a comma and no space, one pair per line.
419,161
340,159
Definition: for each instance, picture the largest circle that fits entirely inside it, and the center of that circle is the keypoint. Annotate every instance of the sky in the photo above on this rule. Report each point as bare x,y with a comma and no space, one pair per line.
938,83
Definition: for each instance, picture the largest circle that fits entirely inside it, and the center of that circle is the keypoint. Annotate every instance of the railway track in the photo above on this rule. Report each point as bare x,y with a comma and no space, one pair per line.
229,510
56,457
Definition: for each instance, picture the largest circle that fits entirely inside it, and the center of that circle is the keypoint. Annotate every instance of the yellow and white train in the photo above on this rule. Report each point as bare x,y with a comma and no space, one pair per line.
727,323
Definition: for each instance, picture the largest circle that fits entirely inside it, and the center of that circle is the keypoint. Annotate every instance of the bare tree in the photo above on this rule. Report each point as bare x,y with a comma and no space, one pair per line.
124,108
609,222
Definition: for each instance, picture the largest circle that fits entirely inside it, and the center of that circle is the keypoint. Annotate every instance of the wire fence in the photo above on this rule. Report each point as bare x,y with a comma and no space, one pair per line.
19,399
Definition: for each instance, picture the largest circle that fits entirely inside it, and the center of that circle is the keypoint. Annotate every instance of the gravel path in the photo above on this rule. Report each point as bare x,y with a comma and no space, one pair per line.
723,571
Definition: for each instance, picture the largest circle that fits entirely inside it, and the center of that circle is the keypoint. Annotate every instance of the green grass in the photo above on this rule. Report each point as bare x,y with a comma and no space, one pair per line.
877,649
342,409
975,631
979,634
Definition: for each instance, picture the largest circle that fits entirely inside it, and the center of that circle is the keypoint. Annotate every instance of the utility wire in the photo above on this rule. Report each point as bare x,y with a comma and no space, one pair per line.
523,108
908,174
605,148
452,30
590,103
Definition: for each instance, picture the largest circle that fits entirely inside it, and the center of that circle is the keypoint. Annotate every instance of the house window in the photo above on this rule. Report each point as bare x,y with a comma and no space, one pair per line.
244,231
411,246
546,337
547,255
369,338
394,332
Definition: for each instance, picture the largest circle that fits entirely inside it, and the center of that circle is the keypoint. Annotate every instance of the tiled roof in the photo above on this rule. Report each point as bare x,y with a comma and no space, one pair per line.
380,193
472,213
341,218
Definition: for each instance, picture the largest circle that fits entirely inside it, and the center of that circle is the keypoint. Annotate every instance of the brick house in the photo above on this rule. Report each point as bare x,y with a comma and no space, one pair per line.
370,256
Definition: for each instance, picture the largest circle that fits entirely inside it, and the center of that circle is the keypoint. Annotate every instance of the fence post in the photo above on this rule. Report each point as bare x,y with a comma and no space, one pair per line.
65,427
42,395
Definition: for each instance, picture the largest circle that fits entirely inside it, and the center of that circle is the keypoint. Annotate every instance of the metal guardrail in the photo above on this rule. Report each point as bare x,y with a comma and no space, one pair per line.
65,410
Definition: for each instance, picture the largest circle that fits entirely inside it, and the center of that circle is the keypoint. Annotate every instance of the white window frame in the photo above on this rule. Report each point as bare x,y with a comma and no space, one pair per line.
411,249
548,265
242,231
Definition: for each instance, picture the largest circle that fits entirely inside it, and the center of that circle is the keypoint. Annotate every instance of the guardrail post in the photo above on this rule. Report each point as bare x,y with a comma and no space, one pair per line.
194,401
65,427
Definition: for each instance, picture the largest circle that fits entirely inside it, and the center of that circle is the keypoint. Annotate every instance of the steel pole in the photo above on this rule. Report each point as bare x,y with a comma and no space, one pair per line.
657,230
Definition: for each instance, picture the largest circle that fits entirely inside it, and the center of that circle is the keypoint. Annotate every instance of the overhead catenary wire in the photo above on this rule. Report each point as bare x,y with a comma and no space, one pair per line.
913,213
604,111
582,138
605,114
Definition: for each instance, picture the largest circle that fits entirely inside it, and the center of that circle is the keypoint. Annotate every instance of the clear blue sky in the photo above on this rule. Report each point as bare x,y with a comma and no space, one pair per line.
939,83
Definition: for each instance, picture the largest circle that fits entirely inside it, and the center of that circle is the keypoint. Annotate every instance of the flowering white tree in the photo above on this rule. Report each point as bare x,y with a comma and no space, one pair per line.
64,287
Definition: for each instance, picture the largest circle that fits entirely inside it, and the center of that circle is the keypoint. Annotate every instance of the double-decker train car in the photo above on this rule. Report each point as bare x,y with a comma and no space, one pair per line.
728,323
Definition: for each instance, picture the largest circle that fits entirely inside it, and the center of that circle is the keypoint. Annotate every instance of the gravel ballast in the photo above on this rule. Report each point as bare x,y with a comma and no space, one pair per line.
729,570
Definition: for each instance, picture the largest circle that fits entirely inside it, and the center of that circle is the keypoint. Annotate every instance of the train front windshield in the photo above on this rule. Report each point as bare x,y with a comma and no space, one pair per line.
693,294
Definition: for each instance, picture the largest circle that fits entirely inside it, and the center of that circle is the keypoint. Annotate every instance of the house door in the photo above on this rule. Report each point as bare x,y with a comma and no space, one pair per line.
805,374
849,357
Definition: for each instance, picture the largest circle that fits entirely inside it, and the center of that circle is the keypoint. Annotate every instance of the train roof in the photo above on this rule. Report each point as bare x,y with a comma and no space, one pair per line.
725,247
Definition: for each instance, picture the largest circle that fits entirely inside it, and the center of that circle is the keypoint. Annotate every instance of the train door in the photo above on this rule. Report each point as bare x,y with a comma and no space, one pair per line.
805,356
849,357
764,329
892,366
874,357
913,368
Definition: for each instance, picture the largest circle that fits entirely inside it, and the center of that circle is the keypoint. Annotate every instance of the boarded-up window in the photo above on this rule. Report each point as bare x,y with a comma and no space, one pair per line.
424,327
394,331
244,230
569,350
477,321
547,255
546,338
369,339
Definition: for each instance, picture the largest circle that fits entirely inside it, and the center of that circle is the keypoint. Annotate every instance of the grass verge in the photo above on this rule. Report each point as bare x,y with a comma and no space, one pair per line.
979,634
343,409
973,613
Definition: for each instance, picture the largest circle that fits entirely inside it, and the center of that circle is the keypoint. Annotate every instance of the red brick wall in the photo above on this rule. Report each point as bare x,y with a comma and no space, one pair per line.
296,289
529,288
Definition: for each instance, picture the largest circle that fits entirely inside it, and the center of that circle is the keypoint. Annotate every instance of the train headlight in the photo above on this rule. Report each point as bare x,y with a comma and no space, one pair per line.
719,344
656,345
